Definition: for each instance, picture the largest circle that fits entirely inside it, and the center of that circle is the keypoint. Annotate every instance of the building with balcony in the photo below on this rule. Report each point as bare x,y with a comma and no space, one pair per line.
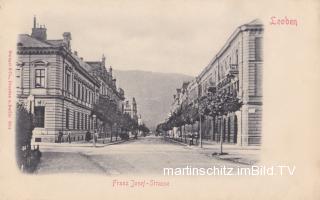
237,67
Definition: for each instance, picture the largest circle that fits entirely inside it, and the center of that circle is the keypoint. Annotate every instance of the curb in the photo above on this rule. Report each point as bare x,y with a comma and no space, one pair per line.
239,161
98,145
234,160
111,143
184,144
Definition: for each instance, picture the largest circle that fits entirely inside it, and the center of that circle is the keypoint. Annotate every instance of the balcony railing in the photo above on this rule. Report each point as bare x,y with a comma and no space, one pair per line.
233,70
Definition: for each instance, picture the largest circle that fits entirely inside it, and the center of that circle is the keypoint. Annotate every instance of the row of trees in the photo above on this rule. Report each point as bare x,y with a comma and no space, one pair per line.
214,104
144,129
107,112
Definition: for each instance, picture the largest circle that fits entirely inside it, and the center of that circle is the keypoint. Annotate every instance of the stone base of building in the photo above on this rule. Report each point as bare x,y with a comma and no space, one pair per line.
39,136
251,126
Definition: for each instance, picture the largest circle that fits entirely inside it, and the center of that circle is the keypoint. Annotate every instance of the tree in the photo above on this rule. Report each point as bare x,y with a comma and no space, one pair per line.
106,110
128,124
219,104
24,127
144,129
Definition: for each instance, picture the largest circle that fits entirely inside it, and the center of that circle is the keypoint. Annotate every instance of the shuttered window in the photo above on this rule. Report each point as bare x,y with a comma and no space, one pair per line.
258,48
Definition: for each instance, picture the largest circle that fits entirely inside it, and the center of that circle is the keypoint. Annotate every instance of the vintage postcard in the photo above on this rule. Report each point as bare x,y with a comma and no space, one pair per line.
178,99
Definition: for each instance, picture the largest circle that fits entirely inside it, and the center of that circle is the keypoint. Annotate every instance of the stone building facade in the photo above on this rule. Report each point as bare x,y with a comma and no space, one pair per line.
236,67
59,87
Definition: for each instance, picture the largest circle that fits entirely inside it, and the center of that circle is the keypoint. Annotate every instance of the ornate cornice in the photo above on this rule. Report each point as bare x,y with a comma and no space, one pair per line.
61,50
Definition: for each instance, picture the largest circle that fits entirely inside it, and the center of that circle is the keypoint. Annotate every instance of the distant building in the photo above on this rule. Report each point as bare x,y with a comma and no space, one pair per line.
131,109
140,121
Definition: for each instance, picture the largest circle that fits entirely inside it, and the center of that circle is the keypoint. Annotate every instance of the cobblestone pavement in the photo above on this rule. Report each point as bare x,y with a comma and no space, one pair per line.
148,155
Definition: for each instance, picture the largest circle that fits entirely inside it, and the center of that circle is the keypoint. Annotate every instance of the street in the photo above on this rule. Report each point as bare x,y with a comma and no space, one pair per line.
147,155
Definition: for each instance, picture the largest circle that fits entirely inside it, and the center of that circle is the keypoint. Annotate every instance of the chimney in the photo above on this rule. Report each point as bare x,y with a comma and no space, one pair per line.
103,61
76,53
34,22
81,58
67,39
40,32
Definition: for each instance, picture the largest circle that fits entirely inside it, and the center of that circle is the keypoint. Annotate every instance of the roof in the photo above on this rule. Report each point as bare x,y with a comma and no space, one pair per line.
185,84
253,24
55,42
26,40
94,64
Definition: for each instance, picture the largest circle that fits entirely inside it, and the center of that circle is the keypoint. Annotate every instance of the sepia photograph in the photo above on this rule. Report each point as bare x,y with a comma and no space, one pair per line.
183,99
72,115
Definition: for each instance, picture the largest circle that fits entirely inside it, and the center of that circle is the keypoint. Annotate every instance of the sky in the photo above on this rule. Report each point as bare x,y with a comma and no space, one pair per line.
160,36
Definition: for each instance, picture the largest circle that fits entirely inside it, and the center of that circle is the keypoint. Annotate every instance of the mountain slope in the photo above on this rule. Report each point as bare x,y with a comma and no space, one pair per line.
153,92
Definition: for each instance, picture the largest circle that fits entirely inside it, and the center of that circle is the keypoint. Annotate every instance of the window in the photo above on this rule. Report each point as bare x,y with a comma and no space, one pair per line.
257,43
85,122
74,88
89,96
74,119
40,78
86,99
78,121
82,121
82,96
67,118
68,82
78,91
237,57
88,118
39,116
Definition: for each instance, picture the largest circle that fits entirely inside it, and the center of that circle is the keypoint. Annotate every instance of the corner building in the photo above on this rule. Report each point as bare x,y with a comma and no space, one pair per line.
237,67
56,86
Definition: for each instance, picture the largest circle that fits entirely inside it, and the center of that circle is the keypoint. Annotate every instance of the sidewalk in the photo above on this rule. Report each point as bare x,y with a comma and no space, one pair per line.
102,142
248,155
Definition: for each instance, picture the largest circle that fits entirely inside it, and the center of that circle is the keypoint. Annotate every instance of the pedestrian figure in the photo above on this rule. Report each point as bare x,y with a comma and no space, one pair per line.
60,137
94,137
69,137
88,136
